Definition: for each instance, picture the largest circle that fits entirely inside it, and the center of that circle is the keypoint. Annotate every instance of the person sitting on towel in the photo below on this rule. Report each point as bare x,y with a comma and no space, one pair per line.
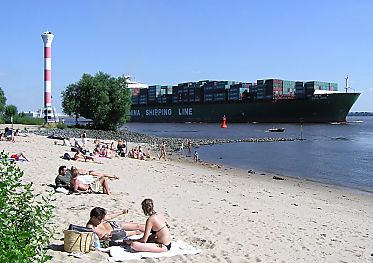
157,236
100,222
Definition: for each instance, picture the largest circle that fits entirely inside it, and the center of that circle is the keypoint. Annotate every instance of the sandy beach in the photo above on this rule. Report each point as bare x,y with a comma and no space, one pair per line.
232,215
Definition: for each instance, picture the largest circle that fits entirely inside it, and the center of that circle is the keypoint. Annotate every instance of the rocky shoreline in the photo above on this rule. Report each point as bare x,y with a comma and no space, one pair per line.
154,141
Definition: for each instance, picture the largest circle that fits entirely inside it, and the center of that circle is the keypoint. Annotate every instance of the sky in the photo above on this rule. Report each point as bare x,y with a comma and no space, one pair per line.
169,42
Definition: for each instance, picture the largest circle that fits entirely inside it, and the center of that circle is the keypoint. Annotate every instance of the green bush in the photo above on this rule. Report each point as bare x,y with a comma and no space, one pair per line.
21,119
25,228
28,120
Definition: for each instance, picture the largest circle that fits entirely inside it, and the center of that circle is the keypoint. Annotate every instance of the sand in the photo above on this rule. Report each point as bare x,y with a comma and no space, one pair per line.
232,215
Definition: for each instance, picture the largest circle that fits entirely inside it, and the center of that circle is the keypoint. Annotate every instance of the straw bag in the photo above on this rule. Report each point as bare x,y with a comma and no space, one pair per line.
75,241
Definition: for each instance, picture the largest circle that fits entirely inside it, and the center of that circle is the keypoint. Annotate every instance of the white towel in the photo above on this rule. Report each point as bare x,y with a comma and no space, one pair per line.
62,190
178,247
86,179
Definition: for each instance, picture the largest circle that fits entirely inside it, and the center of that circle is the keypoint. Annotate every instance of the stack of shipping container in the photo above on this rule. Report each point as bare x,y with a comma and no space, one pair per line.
153,93
288,89
216,91
273,89
299,90
239,91
210,91
143,96
184,92
311,86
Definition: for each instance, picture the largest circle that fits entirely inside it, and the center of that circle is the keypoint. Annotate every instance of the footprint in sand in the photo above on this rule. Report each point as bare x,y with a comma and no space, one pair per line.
203,243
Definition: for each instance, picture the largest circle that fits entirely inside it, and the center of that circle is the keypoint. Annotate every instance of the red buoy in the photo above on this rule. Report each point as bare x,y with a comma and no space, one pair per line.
224,122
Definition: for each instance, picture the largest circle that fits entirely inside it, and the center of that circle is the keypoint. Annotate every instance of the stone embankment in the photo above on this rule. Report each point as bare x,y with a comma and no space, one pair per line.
173,143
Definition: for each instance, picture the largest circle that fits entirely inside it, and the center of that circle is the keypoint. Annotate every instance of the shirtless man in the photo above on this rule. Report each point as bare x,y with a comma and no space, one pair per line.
78,185
100,223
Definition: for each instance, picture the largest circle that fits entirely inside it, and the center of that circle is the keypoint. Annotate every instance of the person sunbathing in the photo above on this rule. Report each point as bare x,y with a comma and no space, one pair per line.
157,236
64,176
101,223
19,157
78,185
79,156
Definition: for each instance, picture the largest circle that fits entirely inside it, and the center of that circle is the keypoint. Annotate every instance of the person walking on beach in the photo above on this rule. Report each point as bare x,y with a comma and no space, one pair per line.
195,158
84,138
157,236
189,147
163,151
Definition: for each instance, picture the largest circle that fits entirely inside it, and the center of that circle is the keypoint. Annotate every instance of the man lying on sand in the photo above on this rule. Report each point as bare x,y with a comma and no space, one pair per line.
64,176
87,185
99,222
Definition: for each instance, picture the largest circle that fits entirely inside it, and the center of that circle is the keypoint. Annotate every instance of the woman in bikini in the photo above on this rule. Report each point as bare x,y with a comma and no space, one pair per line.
157,236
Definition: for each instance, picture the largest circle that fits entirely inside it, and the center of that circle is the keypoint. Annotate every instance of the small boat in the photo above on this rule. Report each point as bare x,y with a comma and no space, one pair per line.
276,129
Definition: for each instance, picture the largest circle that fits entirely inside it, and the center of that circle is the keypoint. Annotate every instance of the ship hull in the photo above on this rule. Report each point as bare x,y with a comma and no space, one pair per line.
318,109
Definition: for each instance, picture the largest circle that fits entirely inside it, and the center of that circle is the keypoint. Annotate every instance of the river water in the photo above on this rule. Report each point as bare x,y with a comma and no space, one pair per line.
338,154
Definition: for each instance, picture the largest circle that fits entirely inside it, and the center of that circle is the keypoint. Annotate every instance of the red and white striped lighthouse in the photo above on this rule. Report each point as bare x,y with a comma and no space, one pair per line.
47,39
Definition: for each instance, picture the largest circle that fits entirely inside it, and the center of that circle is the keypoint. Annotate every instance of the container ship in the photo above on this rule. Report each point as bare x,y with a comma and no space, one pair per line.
265,101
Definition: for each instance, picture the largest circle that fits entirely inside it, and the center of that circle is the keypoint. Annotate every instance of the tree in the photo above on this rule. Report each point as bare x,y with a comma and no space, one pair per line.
2,100
102,98
9,112
25,228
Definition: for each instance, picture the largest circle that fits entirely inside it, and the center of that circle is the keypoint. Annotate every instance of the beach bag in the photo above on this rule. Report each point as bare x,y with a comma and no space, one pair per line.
75,241
80,228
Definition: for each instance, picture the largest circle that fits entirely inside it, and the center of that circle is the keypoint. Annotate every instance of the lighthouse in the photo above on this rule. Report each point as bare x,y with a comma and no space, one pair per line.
49,113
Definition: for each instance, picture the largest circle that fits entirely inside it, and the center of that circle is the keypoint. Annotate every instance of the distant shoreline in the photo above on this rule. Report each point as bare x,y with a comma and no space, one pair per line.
360,113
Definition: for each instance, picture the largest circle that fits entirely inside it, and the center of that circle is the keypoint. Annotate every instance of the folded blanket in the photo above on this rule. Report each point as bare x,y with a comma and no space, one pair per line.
179,247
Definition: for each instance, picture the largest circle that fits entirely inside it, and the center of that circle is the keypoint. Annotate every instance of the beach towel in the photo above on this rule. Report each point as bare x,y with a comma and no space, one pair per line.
178,247
93,182
62,190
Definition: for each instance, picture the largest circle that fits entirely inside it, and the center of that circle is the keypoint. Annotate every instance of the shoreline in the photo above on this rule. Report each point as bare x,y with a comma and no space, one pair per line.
174,143
262,173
